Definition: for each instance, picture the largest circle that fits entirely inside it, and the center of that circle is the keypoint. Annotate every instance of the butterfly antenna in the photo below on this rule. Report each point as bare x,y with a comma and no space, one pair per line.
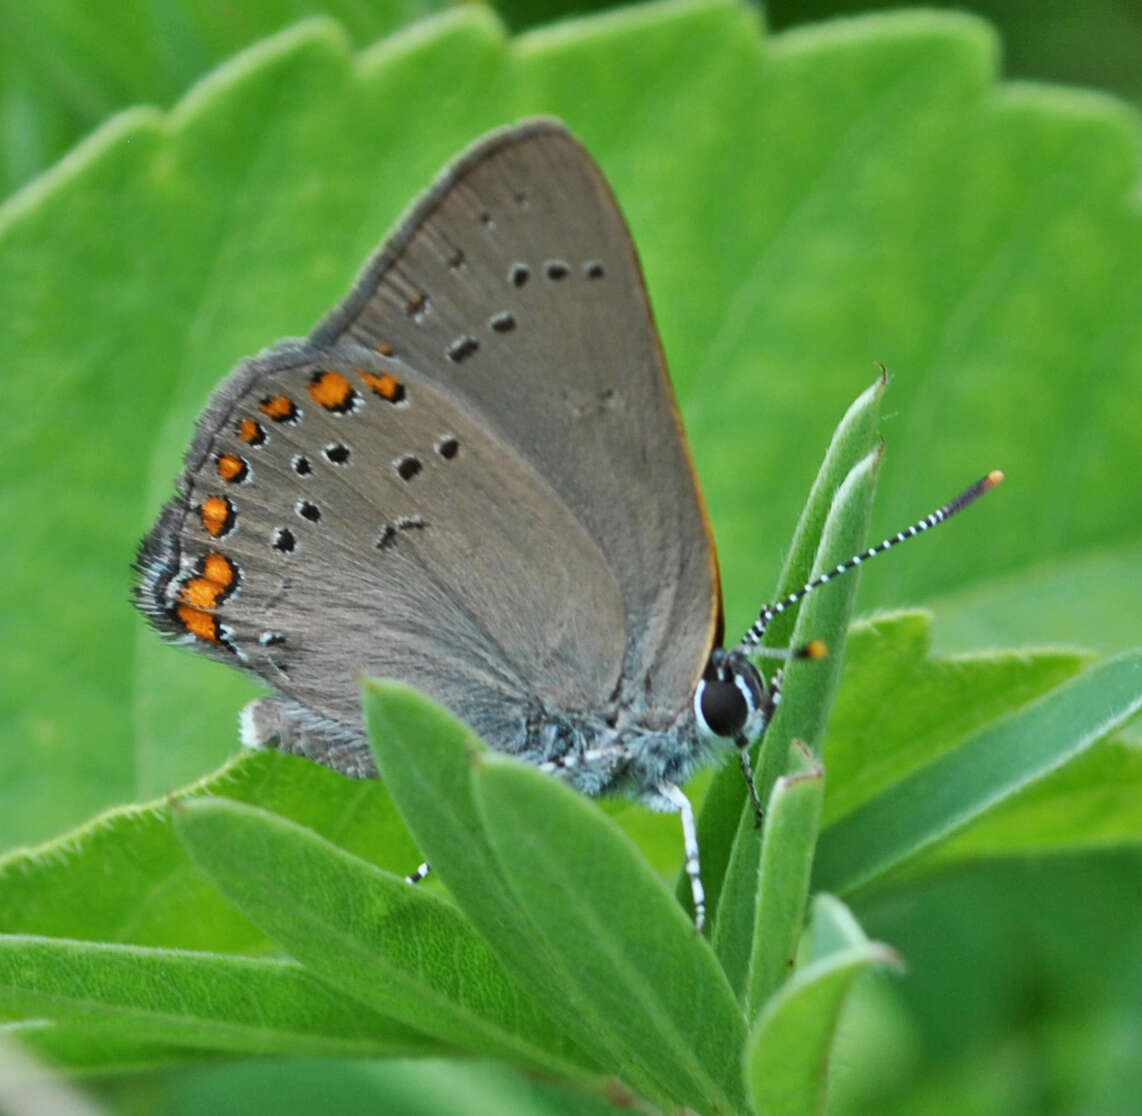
815,649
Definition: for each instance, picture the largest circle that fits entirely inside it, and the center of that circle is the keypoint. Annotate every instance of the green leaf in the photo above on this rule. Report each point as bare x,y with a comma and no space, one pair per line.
125,877
69,67
399,949
948,795
806,699
84,1047
427,758
899,708
853,439
789,1050
425,755
1092,803
792,817
206,1000
653,983
725,799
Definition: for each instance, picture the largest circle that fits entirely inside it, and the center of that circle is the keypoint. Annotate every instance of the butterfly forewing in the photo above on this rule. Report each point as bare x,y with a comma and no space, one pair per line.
513,286
472,476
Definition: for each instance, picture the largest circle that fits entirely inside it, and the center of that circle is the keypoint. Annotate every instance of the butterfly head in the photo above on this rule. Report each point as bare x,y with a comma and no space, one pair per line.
730,700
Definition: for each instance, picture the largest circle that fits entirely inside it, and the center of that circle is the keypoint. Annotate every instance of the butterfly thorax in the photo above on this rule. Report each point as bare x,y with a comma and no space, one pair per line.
635,753
603,756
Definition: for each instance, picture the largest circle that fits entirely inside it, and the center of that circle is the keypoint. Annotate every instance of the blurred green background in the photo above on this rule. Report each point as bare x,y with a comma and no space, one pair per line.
67,67
1023,990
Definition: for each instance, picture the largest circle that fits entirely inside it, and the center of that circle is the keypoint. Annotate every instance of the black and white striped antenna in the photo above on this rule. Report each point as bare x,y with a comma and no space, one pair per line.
749,642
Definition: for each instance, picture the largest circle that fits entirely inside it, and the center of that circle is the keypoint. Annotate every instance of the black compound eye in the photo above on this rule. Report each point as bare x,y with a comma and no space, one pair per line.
724,708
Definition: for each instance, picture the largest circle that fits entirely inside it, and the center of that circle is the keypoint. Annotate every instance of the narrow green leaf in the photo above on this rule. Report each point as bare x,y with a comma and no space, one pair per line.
397,948
807,697
720,813
238,1005
1094,802
788,1052
792,818
945,797
654,985
853,439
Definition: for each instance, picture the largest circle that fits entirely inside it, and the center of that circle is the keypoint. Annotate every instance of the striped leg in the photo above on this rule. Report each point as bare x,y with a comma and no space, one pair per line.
419,874
675,796
772,700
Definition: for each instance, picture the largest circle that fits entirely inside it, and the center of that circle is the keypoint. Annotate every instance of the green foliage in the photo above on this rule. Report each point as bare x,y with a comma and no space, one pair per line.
787,1061
66,70
803,204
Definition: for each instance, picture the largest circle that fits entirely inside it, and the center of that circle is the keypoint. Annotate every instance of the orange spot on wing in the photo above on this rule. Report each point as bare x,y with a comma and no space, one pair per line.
385,349
250,432
217,515
200,593
331,390
385,385
231,467
217,575
278,407
219,570
199,623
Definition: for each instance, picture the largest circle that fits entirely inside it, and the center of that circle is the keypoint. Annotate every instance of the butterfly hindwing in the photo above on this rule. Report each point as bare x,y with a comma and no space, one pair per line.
340,515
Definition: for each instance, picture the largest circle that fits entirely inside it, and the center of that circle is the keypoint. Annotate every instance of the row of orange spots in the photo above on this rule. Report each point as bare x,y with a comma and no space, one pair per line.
215,581
329,389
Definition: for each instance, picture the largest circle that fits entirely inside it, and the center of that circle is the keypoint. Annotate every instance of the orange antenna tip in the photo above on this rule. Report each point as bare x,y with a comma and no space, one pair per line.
993,478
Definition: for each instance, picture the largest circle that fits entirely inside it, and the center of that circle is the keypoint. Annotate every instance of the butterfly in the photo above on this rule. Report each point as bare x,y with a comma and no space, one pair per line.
472,476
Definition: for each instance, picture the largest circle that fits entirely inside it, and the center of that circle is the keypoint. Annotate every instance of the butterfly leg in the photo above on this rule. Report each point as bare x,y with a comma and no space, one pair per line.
680,804
742,742
419,874
772,701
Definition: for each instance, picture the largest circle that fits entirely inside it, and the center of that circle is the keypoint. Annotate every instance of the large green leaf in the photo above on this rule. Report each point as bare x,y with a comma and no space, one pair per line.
835,196
67,65
126,878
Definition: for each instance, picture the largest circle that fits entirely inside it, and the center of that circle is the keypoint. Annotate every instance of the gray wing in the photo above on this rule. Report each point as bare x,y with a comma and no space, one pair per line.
339,514
514,286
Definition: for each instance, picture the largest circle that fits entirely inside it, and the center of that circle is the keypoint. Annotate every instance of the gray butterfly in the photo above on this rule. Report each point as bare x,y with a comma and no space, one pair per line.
472,477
